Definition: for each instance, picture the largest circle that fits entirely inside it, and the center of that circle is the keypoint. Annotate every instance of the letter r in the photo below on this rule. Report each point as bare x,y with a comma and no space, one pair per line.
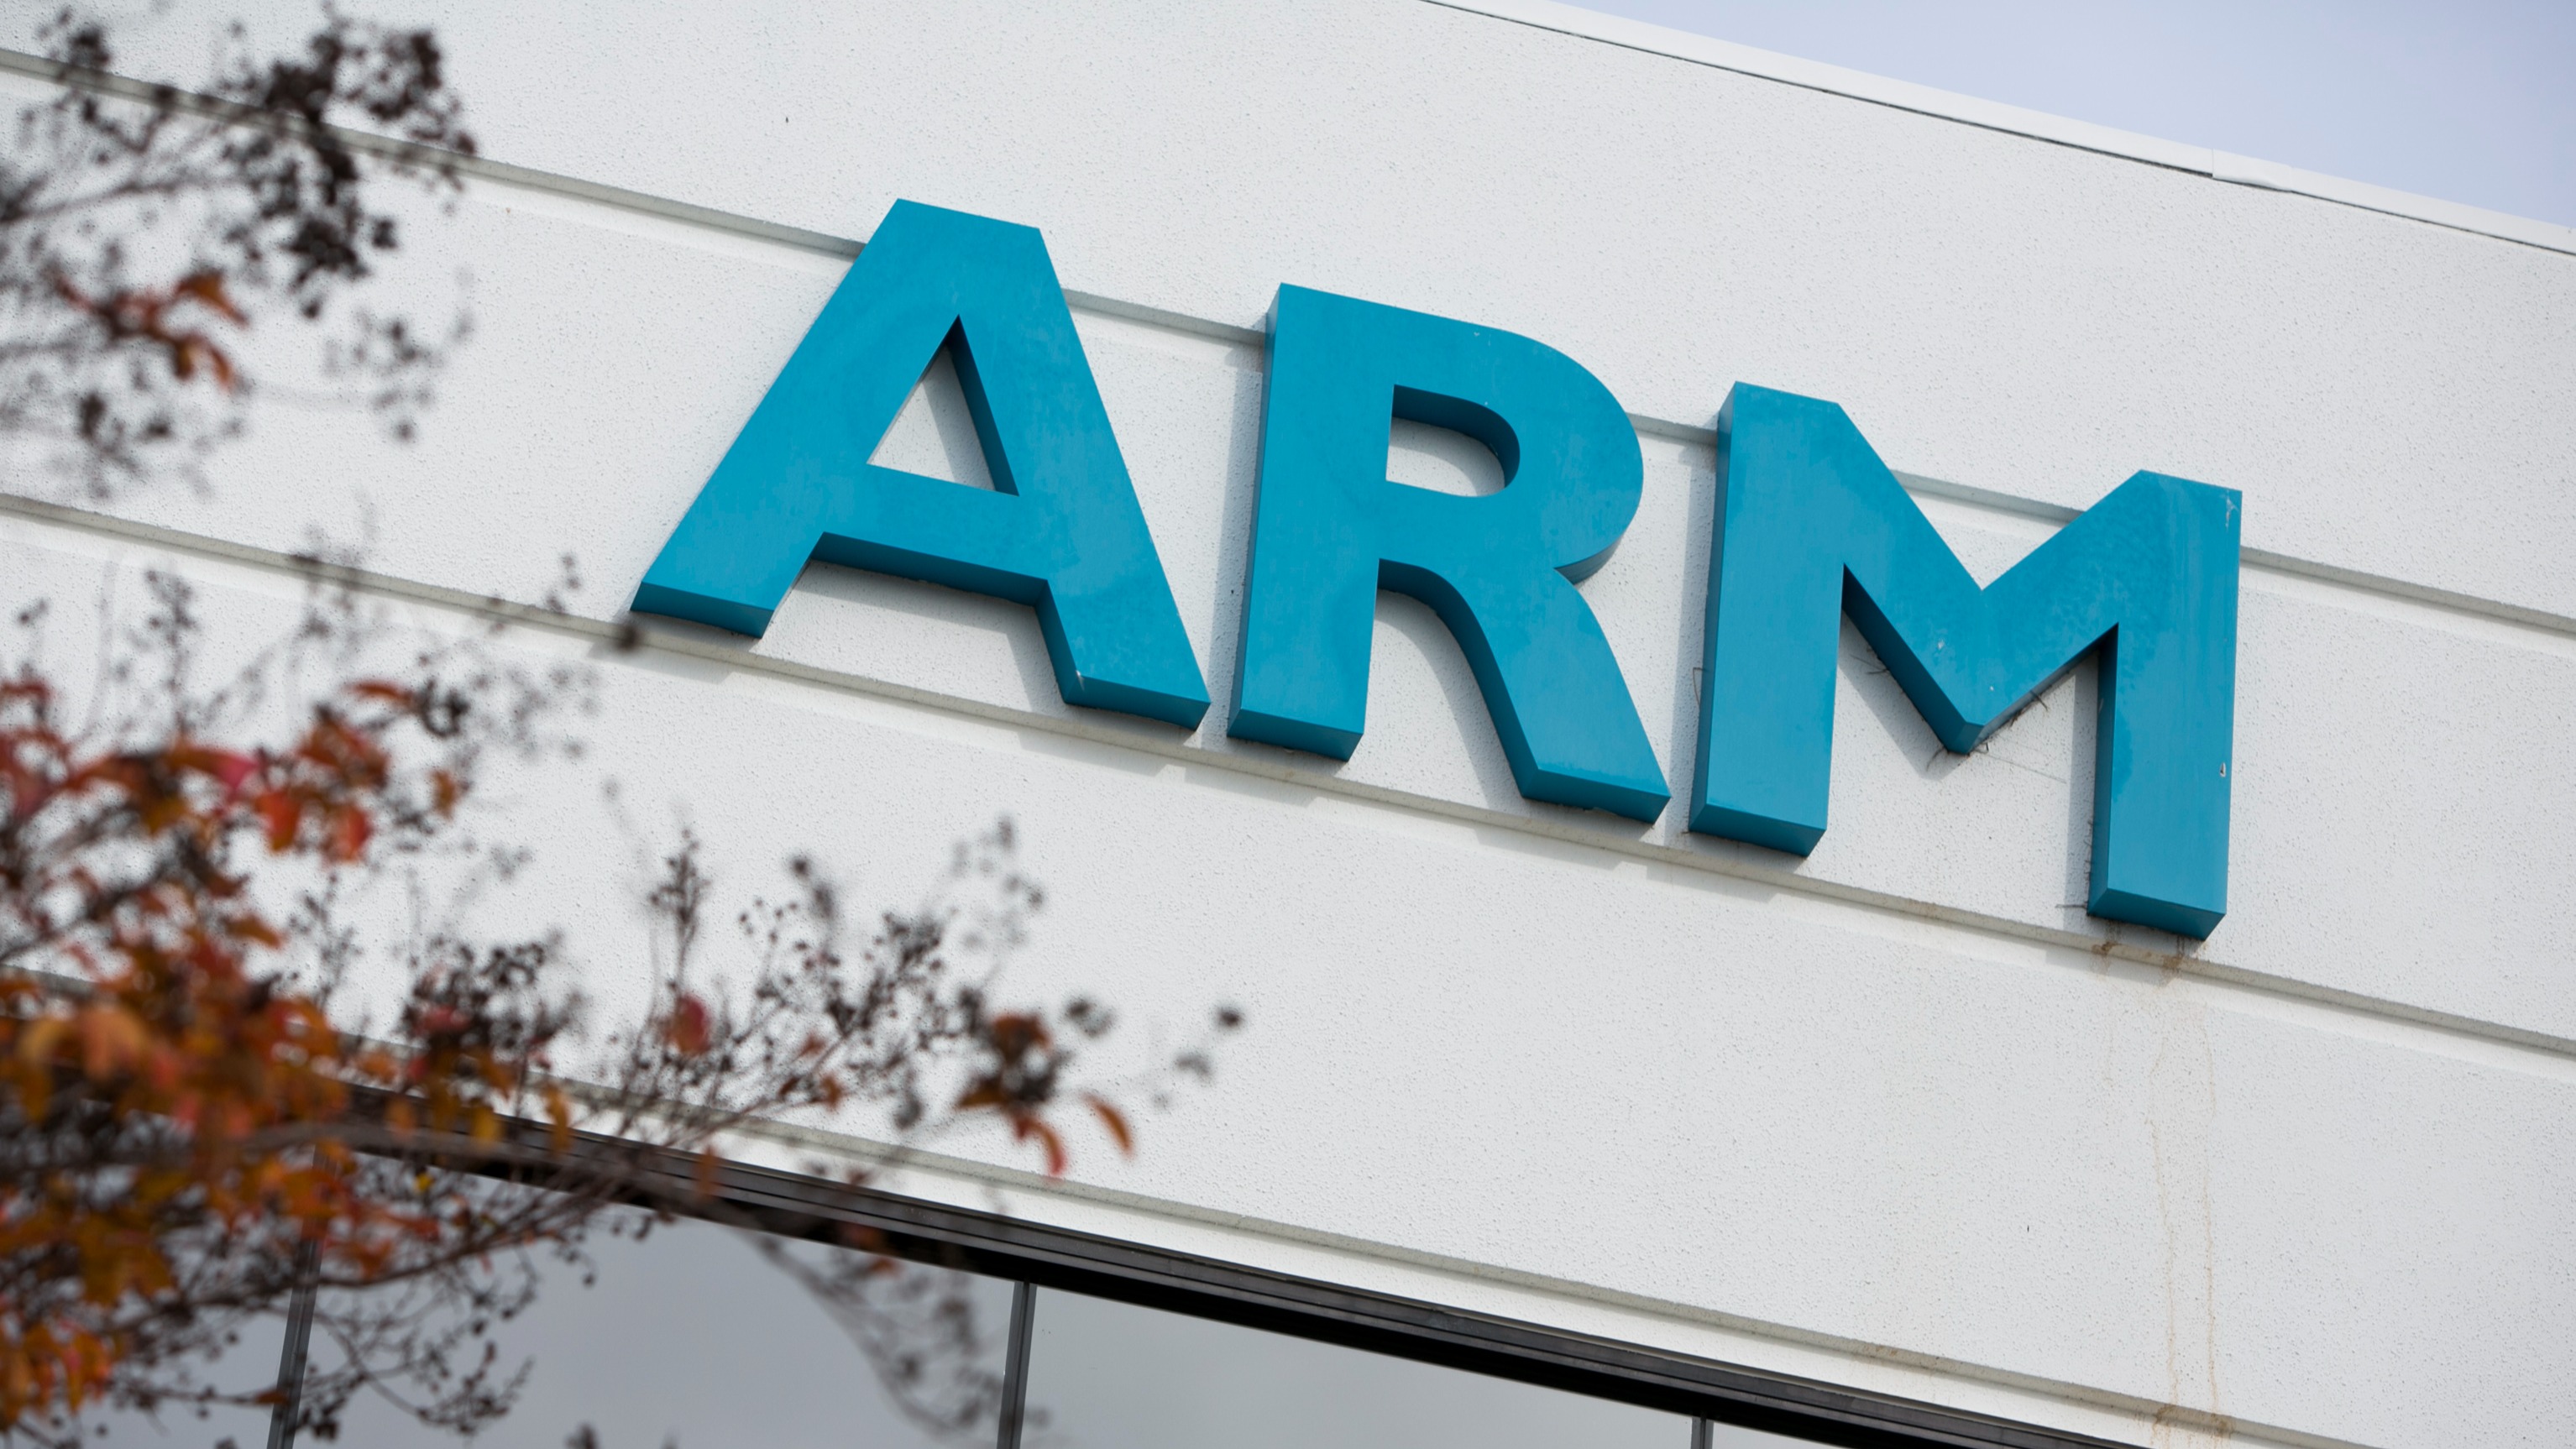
1062,533
1330,530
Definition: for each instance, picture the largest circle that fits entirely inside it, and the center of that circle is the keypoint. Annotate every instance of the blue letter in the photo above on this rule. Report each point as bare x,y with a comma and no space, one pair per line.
1063,533
1331,531
1813,526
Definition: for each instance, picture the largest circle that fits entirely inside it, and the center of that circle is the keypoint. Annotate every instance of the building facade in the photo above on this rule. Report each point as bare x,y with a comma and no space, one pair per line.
1572,1106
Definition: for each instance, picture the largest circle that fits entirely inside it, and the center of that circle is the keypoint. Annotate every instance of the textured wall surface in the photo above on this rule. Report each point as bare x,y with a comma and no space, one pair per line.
1900,1114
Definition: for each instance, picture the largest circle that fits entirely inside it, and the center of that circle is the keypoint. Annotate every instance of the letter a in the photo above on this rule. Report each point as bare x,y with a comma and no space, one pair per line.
1063,534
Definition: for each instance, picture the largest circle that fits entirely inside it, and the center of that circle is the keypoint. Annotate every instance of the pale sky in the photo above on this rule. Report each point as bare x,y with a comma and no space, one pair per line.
2466,100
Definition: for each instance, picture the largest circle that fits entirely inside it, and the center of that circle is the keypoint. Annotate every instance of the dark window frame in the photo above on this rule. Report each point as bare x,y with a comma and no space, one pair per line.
997,1245
1033,1254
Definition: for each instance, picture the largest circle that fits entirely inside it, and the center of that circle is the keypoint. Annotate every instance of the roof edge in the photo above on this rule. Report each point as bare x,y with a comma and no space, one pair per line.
1572,20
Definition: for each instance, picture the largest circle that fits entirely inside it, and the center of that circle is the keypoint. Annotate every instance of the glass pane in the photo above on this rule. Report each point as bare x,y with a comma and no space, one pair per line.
248,1366
1111,1376
692,1338
1728,1436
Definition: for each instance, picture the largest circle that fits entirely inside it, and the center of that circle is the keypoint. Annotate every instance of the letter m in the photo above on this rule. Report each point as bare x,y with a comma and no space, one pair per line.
1812,526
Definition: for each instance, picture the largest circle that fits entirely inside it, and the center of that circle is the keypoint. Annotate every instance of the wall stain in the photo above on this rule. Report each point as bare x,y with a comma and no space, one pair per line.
2181,1117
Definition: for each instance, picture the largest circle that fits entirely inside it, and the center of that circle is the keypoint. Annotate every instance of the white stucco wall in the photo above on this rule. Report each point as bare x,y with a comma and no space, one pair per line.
1898,1115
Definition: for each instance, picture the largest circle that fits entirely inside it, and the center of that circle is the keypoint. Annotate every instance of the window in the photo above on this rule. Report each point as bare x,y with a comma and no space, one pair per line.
1104,1375
246,1367
693,1336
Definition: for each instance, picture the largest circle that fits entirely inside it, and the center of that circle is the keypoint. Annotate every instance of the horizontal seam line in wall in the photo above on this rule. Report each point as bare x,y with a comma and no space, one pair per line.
846,249
2103,141
1280,771
2268,561
2405,206
996,1175
369,143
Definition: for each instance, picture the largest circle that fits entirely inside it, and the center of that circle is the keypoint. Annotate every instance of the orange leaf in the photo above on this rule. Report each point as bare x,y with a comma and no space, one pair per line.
208,287
559,1113
185,351
36,1047
1115,1121
111,1039
252,928
1028,1126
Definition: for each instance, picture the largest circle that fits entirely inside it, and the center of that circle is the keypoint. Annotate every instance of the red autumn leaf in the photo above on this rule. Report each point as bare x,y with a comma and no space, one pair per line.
283,813
231,769
252,928
687,1029
208,287
1027,1125
351,827
1115,1120
187,349
433,1021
